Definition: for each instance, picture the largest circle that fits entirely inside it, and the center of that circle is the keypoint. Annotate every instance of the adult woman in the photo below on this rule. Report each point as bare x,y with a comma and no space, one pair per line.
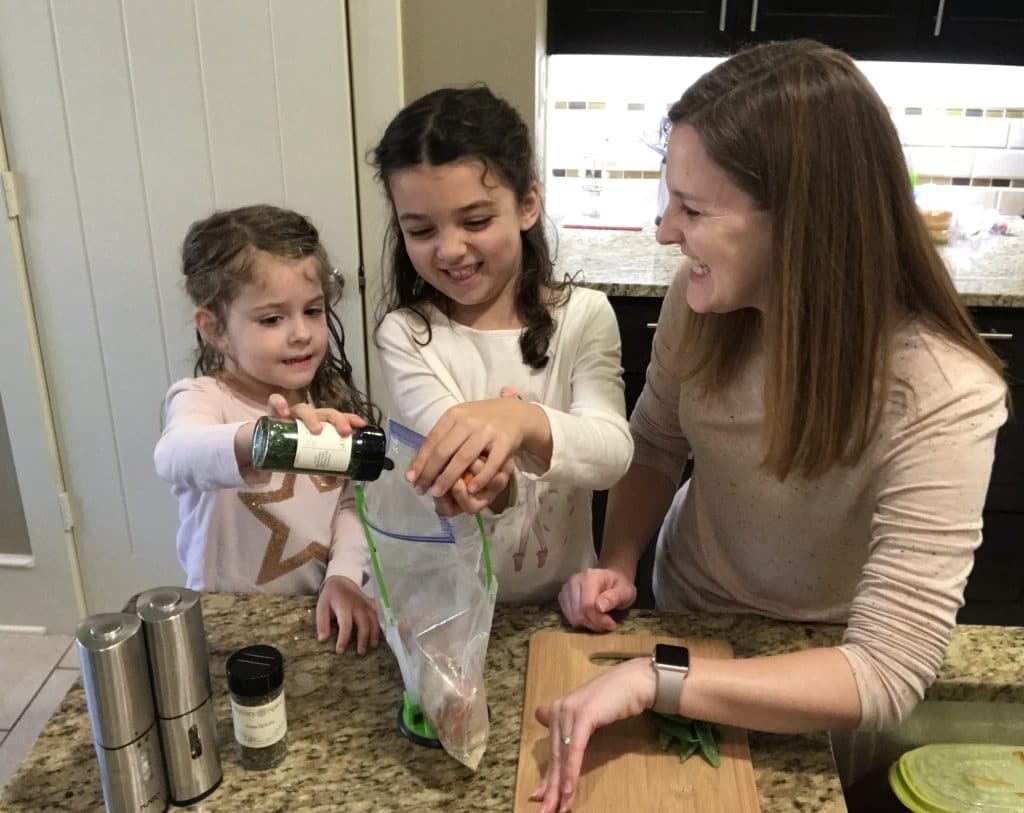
841,411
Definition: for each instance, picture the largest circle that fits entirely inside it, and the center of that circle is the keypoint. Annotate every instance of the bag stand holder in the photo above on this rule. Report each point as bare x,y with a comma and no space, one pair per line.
414,724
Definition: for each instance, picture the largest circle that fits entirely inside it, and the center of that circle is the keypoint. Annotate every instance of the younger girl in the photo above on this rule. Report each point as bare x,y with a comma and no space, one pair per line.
473,314
262,285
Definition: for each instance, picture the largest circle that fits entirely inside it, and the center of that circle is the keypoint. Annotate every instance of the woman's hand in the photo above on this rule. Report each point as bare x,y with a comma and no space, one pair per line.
314,418
492,430
588,597
622,691
341,599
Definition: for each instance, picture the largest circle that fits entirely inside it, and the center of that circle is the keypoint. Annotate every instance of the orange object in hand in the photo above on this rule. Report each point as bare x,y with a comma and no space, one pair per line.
467,478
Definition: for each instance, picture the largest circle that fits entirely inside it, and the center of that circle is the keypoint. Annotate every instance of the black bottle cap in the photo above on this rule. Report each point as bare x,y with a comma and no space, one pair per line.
255,670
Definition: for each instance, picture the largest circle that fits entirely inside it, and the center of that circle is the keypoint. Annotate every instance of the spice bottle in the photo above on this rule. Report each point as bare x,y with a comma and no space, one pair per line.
256,681
290,446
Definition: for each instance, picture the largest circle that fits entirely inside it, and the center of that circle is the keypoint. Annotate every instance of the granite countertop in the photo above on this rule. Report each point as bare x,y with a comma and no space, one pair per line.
988,272
346,753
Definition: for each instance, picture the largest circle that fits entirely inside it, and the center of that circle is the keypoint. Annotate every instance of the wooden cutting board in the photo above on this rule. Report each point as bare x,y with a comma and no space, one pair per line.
624,769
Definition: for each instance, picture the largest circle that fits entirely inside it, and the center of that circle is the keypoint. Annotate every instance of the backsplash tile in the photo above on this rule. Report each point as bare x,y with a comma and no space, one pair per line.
1011,202
962,127
999,163
1016,139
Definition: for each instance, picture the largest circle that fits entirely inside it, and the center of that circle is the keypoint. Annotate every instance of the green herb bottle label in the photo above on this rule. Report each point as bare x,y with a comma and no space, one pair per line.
327,451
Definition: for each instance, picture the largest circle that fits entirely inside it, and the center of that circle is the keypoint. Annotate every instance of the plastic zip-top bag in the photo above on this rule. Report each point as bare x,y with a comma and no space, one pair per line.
435,599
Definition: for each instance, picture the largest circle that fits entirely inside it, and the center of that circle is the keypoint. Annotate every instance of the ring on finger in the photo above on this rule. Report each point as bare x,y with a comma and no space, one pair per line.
566,739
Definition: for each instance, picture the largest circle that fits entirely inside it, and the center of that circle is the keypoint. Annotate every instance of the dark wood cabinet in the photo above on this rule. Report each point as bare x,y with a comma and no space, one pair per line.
995,590
985,31
655,27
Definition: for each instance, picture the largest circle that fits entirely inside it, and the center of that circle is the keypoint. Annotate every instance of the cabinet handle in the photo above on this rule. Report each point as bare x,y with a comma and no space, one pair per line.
996,336
722,7
654,325
753,16
938,18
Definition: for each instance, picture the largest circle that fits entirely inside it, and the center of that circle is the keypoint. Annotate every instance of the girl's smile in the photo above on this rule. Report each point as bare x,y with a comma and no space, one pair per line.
462,229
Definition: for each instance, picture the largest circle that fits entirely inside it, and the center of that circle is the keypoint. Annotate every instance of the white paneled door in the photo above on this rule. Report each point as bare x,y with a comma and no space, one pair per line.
39,586
125,121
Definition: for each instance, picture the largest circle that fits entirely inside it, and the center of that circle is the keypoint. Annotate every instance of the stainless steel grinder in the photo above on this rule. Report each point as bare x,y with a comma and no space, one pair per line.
172,620
112,652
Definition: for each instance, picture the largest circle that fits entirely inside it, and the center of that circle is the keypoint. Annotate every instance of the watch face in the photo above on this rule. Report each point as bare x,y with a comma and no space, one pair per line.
669,655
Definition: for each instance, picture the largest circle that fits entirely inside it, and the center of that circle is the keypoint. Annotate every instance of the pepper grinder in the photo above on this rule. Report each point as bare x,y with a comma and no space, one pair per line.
172,620
120,701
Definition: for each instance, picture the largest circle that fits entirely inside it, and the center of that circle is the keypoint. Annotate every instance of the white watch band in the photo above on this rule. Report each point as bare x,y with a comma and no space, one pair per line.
669,690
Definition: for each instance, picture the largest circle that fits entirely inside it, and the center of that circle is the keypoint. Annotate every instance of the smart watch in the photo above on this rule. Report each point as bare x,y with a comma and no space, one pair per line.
671,664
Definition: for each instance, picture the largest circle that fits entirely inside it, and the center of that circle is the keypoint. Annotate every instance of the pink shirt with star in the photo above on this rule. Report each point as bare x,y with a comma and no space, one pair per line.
284,536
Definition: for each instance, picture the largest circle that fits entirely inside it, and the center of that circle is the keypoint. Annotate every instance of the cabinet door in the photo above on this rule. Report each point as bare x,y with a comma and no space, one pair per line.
869,29
986,31
1003,329
653,27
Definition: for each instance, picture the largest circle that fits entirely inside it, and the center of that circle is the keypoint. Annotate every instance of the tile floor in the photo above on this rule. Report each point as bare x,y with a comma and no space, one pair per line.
36,672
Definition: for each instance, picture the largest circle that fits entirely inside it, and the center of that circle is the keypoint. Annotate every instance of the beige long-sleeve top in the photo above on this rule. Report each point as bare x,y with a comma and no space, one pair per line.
884,546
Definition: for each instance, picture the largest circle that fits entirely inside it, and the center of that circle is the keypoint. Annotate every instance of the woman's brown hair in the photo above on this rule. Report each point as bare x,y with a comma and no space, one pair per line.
799,128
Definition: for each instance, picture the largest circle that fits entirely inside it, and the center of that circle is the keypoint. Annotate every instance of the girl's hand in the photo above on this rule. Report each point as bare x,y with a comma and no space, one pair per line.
588,597
459,500
341,599
314,418
622,691
494,430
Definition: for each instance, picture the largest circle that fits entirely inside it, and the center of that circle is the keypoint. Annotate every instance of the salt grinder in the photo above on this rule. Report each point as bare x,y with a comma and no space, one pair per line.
112,652
172,619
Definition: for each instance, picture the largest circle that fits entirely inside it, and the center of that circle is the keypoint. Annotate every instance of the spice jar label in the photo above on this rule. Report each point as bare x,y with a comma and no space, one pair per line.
259,726
327,451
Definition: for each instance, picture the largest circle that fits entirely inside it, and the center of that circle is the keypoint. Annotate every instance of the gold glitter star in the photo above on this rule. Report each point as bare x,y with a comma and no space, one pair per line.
273,565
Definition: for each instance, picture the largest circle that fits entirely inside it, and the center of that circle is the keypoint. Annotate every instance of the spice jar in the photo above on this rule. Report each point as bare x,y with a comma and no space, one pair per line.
256,681
290,446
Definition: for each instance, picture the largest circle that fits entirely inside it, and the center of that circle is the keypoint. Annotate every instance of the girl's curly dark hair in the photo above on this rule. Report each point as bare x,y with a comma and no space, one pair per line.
455,124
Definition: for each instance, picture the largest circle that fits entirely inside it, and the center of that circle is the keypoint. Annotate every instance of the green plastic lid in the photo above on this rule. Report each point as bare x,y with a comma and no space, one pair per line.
960,778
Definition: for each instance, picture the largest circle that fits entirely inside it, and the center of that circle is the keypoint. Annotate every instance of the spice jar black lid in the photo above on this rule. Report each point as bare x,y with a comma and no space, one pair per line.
255,670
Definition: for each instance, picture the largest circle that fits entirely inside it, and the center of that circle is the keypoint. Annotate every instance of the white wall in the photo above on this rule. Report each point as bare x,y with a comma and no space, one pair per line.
125,121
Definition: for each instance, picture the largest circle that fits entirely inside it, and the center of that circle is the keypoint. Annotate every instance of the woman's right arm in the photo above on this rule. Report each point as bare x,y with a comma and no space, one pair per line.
637,504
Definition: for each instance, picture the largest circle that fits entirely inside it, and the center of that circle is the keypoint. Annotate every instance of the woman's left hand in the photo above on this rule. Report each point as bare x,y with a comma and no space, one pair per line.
622,691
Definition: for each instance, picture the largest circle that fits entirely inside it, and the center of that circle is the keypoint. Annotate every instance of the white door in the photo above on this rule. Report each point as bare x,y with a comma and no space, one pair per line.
39,585
125,121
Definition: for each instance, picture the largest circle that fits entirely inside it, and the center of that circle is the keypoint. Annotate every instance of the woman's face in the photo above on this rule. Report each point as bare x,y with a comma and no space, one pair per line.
717,225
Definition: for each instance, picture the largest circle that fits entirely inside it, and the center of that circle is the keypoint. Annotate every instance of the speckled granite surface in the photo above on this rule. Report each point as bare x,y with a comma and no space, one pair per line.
988,272
346,754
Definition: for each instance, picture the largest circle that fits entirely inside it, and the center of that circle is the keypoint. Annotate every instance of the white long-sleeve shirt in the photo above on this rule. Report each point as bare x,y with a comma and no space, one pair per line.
884,546
285,536
546,536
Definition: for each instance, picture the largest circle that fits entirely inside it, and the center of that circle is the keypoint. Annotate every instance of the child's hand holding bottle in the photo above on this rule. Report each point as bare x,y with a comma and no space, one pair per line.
312,417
